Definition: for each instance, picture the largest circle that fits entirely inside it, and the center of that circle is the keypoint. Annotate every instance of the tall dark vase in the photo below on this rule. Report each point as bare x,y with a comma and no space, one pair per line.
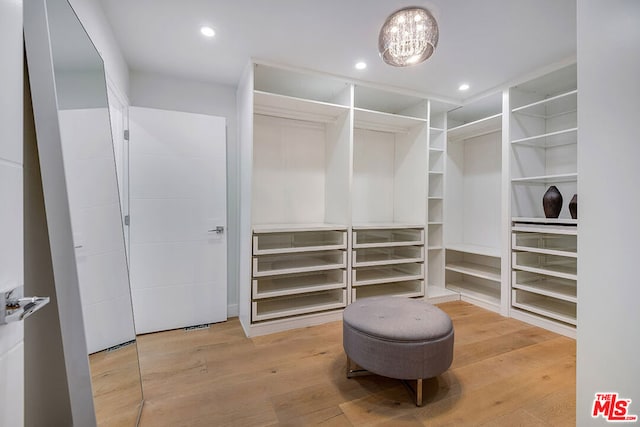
552,202
573,207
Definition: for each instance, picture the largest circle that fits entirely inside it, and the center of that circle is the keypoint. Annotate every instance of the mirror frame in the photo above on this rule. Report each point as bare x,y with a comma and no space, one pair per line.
44,99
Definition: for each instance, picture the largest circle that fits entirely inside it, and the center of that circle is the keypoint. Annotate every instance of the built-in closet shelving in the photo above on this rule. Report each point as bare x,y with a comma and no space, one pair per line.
388,198
334,174
387,261
543,141
473,203
351,191
436,291
299,203
298,270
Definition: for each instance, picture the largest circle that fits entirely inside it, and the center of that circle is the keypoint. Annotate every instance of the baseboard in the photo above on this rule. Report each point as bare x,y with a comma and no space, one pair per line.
232,310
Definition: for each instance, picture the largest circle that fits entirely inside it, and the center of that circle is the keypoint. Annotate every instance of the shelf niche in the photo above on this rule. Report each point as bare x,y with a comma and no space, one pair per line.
544,136
389,151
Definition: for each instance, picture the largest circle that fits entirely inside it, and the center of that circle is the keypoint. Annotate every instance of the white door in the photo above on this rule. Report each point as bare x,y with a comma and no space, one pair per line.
177,173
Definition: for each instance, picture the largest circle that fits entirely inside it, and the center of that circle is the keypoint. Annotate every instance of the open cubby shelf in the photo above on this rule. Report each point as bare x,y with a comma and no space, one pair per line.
386,274
411,288
551,287
476,128
274,308
479,291
542,305
276,286
475,270
275,105
270,265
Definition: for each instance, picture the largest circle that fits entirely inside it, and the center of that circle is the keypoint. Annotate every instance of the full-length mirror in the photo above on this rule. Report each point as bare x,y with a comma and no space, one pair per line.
94,206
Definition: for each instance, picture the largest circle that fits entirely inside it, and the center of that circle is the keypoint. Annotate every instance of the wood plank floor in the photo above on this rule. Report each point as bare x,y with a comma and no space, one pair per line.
504,373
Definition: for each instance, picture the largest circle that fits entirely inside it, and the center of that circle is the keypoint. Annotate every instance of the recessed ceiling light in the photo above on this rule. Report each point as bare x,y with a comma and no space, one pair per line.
361,65
463,86
207,31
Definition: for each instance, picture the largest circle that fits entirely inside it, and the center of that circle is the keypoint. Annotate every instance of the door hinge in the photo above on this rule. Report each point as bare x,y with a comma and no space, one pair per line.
127,220
126,134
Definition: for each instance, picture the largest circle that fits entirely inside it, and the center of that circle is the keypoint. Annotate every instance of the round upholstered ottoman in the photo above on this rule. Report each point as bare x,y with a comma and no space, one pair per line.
398,338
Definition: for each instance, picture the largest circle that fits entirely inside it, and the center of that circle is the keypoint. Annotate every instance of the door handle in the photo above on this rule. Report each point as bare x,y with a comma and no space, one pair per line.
14,307
218,230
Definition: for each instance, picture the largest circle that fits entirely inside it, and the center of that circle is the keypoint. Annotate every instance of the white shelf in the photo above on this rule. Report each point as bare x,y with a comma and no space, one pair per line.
546,179
436,150
478,292
549,307
549,287
297,242
414,288
555,271
388,256
378,237
271,287
300,304
545,251
551,139
385,226
271,265
385,122
477,128
271,104
523,109
474,249
559,221
436,130
290,228
435,248
544,228
435,197
565,270
376,276
475,270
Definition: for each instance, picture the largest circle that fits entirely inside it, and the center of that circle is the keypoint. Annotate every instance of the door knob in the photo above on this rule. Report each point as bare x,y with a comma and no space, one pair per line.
14,307
218,230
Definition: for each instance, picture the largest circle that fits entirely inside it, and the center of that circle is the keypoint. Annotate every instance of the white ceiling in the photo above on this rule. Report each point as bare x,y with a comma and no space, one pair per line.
483,42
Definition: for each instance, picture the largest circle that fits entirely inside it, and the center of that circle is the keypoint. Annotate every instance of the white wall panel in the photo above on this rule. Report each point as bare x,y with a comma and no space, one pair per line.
373,175
289,172
12,386
11,222
608,345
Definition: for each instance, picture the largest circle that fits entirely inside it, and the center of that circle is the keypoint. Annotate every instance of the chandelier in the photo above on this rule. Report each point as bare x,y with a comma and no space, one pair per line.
408,37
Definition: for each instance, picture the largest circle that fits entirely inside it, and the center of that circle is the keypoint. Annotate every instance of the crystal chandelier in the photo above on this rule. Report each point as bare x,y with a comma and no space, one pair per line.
408,37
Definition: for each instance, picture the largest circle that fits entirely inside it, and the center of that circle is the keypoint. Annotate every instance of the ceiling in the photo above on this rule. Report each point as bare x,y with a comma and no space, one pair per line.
484,43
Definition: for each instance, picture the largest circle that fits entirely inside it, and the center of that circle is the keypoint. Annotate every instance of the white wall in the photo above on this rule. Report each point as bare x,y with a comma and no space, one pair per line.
95,23
608,343
169,93
11,240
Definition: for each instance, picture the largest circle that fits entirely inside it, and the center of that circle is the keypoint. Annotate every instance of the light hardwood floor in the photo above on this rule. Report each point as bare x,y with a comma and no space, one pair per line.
504,373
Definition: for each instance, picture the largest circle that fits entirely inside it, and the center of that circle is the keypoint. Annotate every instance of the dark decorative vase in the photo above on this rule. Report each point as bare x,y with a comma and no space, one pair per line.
552,202
573,207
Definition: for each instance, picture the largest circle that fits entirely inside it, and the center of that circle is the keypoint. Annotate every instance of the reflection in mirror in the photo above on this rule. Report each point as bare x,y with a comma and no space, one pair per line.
94,204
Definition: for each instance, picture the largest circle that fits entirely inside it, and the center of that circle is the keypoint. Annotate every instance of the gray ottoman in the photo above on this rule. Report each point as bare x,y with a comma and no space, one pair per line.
397,338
